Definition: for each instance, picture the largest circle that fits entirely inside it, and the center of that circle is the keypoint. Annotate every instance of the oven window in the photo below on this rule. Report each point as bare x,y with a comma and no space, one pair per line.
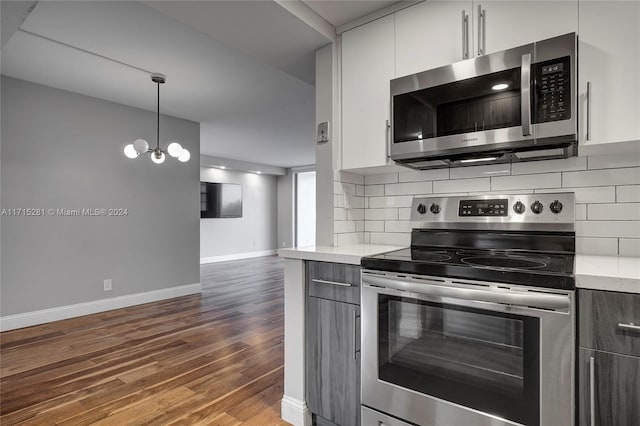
484,360
487,102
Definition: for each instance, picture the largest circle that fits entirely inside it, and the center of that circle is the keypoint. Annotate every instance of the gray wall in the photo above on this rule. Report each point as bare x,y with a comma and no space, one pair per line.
63,150
255,230
286,210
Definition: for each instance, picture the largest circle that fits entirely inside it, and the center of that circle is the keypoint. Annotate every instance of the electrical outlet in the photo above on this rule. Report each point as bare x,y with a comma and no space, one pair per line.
107,285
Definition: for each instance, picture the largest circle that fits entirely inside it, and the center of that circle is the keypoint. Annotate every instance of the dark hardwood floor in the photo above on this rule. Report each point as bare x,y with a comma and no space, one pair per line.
215,358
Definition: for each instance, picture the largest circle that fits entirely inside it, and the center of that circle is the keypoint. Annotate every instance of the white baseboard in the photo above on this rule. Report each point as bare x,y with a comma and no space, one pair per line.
295,411
27,319
236,256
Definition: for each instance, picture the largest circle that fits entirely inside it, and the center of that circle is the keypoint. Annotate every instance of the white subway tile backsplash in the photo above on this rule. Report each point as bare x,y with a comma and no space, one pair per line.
549,180
352,238
622,211
628,194
404,213
380,214
461,185
629,176
374,190
629,247
355,214
397,239
608,228
424,175
604,194
480,171
344,226
380,179
597,246
615,161
409,188
339,213
397,226
377,208
548,166
374,225
392,201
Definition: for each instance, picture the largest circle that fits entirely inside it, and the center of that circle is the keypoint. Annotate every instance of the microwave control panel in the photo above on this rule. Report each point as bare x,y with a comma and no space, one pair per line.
553,90
497,207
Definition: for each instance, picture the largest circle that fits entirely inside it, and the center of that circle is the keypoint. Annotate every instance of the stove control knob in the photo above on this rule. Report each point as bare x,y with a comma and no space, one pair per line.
518,207
422,209
556,207
435,209
537,207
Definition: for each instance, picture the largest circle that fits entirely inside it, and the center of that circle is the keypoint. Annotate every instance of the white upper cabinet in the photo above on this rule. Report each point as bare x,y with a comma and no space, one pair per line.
432,34
609,65
368,65
500,25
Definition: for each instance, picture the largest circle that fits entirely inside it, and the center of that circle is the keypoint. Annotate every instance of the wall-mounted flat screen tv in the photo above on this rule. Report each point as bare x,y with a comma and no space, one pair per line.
220,200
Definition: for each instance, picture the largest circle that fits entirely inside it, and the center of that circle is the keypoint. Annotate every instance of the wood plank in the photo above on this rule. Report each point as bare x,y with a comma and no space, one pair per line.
215,358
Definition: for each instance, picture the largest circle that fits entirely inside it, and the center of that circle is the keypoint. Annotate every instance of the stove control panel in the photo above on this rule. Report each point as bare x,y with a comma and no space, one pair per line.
495,207
543,211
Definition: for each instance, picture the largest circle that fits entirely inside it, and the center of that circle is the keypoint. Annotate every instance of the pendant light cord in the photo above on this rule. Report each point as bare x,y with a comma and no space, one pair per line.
158,119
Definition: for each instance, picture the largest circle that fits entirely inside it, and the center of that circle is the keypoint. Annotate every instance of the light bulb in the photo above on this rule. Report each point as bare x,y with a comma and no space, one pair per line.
141,146
184,156
130,151
174,149
157,159
500,86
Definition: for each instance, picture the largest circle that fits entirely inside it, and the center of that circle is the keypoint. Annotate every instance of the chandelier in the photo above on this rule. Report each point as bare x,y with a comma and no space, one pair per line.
141,146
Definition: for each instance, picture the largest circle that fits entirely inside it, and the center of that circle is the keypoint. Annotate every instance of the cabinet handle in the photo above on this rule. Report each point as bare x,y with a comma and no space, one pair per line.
355,337
588,110
525,88
630,326
315,280
592,391
388,130
481,30
465,35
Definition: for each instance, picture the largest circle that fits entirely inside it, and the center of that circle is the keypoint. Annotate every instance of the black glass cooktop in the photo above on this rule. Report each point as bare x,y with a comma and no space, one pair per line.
508,266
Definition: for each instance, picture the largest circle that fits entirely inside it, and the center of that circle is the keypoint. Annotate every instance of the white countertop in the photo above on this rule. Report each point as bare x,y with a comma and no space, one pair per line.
351,254
611,273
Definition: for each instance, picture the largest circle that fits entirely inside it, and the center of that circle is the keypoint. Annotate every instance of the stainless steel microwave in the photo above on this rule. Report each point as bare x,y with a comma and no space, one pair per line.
515,105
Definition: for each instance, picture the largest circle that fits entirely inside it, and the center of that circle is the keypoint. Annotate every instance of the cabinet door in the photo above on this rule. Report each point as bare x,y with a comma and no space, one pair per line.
609,62
368,66
333,360
430,35
616,389
509,24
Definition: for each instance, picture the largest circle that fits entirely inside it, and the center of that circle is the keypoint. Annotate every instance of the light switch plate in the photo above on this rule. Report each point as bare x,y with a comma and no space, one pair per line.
323,132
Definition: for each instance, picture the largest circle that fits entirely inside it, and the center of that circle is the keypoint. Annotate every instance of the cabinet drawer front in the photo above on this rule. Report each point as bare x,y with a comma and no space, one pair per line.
334,281
609,321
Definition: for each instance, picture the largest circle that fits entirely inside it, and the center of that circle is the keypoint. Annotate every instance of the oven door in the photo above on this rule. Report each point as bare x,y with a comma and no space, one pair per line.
443,353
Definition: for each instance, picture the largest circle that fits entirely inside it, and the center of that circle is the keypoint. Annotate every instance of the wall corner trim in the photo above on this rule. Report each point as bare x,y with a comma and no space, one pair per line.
236,256
295,411
27,319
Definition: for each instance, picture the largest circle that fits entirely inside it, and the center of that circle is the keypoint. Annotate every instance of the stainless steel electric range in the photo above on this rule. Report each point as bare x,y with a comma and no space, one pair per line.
474,324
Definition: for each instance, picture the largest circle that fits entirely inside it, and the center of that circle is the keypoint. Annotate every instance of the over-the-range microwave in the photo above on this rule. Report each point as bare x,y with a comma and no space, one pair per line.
515,105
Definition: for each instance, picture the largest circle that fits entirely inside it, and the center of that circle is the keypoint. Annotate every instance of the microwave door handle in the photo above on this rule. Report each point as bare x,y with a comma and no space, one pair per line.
525,90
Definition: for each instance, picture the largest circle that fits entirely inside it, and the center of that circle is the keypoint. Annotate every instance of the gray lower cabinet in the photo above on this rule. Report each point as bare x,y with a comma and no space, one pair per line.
608,361
332,350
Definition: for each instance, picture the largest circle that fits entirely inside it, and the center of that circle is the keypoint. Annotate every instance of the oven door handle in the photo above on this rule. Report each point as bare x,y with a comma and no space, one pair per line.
527,299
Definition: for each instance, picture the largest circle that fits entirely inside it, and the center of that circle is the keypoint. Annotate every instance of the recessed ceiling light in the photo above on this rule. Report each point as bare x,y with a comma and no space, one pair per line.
222,167
259,172
500,86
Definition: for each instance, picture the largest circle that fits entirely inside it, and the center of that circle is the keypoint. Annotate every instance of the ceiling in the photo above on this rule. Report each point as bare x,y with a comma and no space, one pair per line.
340,12
244,69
